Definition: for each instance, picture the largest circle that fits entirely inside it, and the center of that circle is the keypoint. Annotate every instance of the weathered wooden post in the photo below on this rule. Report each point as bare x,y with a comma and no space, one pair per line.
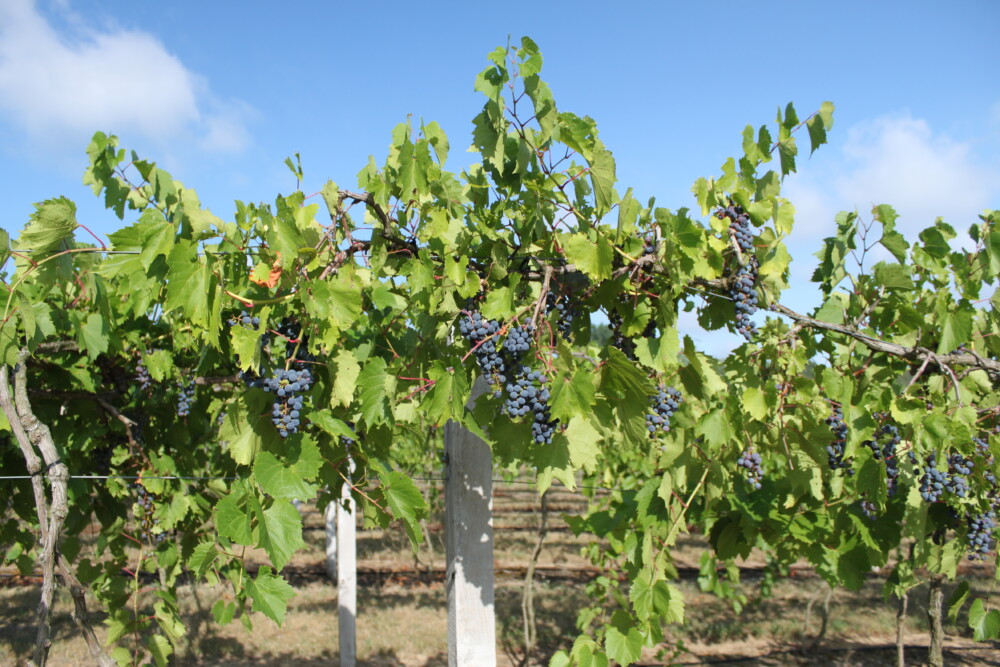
347,585
469,545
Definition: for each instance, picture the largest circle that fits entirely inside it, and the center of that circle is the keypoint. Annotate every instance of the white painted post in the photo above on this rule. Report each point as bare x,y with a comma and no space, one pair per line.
347,585
469,540
330,518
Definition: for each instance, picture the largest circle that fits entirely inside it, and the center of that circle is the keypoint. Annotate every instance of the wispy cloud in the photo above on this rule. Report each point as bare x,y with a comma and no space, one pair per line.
58,85
897,160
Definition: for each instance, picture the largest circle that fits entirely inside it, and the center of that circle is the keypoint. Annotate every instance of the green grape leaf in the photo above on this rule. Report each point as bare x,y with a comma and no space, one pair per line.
160,650
622,641
52,223
279,528
243,431
203,557
344,369
270,593
957,600
375,385
279,480
985,625
603,177
573,396
246,347
404,498
95,335
232,519
592,256
584,443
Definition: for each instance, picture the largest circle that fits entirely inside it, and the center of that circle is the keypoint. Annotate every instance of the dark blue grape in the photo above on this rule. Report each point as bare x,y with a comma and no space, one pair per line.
287,385
750,461
565,313
142,375
868,509
979,535
739,226
744,295
932,480
184,399
244,319
665,404
883,446
835,450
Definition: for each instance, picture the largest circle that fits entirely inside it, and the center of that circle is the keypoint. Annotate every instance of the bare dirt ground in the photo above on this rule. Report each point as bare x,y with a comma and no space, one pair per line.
402,614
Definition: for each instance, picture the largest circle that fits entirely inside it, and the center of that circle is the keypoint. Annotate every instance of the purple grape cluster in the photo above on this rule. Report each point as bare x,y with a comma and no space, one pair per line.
618,339
665,404
932,480
482,336
142,375
288,387
518,342
883,446
959,469
565,314
184,399
835,450
521,388
739,226
983,452
244,319
527,394
980,534
745,296
750,461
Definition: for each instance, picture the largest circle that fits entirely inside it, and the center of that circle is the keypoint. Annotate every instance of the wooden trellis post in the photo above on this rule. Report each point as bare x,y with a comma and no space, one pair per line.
469,545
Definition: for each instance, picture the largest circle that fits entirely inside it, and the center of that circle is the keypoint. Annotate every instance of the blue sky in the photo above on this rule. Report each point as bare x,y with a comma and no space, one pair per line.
220,93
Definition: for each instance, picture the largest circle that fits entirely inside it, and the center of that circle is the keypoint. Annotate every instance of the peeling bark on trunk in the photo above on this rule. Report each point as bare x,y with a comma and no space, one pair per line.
30,434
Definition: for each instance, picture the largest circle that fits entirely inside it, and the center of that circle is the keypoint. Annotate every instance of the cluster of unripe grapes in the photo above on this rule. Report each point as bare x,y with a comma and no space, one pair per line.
145,517
750,461
665,404
184,399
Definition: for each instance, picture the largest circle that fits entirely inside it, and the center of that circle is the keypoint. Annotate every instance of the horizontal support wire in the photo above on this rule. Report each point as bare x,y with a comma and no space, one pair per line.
121,477
415,479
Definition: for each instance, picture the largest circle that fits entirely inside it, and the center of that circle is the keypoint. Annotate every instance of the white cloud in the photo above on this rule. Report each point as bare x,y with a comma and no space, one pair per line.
897,160
57,86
